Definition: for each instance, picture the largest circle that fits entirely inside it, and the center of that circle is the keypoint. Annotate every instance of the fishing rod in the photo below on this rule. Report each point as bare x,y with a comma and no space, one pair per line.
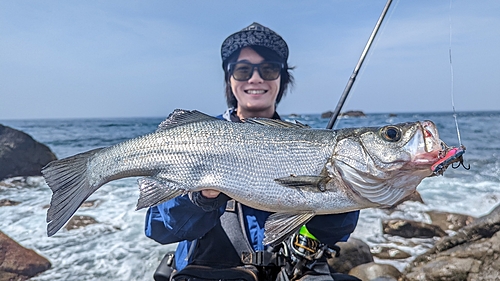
358,66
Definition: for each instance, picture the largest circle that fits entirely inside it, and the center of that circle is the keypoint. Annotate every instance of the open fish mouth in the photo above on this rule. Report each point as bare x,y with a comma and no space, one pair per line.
426,146
434,152
431,136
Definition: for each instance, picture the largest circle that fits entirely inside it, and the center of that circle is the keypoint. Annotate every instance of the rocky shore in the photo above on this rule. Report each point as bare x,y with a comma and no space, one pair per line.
472,252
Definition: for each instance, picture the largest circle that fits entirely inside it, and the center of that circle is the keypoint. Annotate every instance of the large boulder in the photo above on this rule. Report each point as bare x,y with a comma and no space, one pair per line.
352,253
473,253
21,155
17,262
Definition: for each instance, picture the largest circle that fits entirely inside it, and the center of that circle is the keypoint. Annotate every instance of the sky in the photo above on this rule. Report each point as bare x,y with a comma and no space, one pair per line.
99,59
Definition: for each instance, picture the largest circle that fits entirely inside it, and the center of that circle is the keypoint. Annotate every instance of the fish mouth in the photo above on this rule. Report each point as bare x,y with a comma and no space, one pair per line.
428,151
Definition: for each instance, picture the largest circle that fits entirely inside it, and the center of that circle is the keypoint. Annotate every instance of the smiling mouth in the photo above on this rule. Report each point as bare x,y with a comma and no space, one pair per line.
255,92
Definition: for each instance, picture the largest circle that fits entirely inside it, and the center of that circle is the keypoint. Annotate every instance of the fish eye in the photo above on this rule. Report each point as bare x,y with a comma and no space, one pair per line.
391,133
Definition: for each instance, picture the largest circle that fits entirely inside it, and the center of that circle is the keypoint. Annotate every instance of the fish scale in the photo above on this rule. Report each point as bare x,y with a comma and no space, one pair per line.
271,165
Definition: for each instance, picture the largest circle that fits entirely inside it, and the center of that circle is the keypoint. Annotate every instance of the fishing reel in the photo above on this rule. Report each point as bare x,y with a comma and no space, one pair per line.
305,250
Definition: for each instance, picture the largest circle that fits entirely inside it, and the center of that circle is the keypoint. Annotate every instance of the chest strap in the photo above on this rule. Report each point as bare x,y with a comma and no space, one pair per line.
233,223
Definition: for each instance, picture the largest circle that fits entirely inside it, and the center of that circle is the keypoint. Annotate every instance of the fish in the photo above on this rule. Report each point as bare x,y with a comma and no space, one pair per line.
286,168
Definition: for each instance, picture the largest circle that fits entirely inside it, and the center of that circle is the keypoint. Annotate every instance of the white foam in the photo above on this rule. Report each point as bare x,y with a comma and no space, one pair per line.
115,248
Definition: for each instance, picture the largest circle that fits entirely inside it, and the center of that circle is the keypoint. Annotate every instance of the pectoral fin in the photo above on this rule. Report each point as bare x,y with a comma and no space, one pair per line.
154,191
280,225
312,182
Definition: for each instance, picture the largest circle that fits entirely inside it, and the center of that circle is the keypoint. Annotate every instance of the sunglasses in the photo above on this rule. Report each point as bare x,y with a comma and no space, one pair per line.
268,70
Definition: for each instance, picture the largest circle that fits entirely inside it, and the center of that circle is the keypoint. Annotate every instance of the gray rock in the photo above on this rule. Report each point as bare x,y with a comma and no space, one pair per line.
352,253
472,254
389,253
21,155
483,227
385,278
444,268
375,271
411,229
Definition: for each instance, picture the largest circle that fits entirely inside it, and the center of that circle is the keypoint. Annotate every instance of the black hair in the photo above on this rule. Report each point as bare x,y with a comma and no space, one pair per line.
268,55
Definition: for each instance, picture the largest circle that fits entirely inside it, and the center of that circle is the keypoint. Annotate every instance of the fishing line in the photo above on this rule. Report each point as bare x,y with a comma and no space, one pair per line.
452,81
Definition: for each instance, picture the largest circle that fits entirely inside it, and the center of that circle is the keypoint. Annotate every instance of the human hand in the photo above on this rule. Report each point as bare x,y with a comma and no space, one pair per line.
208,199
210,193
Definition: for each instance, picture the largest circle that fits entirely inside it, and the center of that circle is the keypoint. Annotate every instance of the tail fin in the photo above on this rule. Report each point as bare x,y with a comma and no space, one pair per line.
68,179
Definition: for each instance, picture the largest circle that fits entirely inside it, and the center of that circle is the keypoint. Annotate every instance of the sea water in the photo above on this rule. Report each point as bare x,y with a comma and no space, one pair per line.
116,248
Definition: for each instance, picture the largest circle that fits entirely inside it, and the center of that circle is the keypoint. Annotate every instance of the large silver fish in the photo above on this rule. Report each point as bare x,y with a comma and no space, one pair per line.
290,169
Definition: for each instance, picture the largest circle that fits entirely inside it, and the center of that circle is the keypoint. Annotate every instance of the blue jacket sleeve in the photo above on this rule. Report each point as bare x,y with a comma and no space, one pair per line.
180,219
330,229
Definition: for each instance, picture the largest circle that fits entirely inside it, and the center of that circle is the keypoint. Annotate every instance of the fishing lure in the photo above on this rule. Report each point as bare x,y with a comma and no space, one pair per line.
454,155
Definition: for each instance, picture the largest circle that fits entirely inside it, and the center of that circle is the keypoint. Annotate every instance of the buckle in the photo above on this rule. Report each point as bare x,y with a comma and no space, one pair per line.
263,258
231,205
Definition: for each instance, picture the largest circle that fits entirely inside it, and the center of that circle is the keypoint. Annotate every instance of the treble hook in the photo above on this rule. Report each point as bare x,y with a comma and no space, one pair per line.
452,156
460,163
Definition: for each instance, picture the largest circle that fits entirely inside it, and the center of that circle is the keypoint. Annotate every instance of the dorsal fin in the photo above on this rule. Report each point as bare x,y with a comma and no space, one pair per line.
276,123
180,117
